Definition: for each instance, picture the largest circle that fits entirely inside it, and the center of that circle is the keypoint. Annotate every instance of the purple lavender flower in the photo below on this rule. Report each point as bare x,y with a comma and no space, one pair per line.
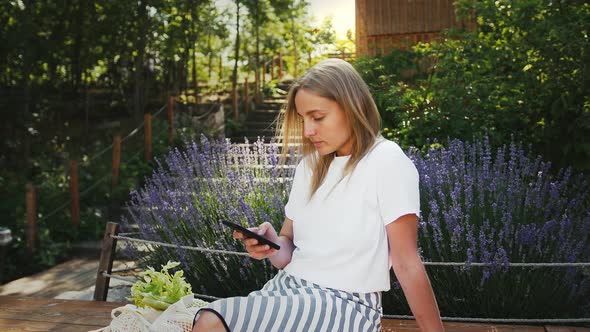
502,207
191,190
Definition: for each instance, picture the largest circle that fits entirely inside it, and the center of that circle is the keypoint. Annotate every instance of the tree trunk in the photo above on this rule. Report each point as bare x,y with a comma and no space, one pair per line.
139,59
257,67
294,34
78,49
26,85
234,79
26,113
210,57
193,41
220,75
263,72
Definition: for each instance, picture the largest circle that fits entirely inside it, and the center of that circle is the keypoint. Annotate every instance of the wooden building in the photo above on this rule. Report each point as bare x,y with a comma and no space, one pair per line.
385,24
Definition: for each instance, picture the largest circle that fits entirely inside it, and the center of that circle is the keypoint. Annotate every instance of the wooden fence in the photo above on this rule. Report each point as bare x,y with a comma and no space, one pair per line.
74,192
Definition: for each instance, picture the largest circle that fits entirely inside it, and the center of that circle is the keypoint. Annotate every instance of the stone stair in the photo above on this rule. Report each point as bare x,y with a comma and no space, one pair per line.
261,122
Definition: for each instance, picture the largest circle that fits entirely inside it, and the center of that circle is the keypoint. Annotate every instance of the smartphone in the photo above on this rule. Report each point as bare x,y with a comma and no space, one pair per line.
249,234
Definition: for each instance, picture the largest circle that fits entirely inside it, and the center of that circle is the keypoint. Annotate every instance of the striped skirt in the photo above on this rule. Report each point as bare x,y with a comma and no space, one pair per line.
287,303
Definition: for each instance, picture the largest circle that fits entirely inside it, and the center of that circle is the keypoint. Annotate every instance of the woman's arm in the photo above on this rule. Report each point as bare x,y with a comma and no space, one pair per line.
409,270
278,258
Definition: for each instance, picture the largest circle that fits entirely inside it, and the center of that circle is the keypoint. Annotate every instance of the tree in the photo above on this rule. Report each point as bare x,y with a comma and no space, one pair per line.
234,77
259,15
292,11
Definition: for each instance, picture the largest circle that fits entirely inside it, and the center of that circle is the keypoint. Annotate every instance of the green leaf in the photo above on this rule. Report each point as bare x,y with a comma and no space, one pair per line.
160,289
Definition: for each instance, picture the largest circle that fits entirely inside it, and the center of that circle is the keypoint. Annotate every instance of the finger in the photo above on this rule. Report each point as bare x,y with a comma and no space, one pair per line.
261,248
237,235
263,254
250,242
259,253
262,228
254,249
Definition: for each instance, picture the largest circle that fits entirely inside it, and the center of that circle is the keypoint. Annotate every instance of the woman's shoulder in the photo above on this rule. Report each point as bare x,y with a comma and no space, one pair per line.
388,159
385,150
387,156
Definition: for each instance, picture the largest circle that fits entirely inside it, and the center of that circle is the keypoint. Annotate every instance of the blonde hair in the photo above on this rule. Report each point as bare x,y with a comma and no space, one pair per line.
336,80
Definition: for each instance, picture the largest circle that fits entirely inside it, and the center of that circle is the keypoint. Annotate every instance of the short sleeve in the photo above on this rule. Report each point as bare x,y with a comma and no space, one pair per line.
398,190
298,194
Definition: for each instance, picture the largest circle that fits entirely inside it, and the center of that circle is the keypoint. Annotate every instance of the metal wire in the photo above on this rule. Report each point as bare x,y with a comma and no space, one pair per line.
131,133
465,264
459,264
450,319
212,251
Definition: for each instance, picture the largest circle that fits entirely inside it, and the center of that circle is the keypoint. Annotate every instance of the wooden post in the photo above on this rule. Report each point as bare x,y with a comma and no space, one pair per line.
280,65
147,118
246,96
105,265
116,161
170,112
74,193
31,218
235,101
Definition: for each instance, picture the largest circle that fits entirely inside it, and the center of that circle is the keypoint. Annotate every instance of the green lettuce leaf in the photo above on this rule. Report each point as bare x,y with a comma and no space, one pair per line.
159,289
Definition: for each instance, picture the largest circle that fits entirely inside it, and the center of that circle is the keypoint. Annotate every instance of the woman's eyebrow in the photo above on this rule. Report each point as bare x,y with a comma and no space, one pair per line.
311,111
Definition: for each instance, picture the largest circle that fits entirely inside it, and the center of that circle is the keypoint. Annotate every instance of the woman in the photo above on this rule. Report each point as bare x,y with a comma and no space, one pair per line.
352,214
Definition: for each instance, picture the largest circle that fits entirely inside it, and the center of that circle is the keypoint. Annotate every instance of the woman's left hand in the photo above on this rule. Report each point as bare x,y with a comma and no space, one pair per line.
256,250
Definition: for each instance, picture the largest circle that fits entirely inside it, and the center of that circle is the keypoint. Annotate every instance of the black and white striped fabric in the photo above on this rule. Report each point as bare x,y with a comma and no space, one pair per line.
287,303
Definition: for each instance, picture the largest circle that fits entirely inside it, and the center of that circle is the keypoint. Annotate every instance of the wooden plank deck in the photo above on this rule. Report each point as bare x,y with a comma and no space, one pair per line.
21,312
78,274
41,314
394,325
73,275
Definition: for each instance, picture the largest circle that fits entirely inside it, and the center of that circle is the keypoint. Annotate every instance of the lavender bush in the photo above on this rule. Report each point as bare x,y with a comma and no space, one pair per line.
476,207
187,196
498,209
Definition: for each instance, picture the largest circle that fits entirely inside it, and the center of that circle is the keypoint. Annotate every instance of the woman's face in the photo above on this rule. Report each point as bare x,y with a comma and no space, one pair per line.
324,123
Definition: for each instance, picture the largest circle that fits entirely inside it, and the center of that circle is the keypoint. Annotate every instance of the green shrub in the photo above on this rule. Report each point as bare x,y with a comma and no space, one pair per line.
521,74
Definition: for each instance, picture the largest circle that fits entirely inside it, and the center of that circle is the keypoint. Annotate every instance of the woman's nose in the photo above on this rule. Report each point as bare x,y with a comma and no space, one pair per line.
308,129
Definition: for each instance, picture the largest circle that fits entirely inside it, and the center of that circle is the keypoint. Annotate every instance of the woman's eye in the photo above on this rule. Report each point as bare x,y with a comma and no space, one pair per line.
318,118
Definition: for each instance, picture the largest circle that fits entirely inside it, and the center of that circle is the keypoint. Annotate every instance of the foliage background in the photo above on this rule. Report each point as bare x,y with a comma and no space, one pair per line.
523,74
74,74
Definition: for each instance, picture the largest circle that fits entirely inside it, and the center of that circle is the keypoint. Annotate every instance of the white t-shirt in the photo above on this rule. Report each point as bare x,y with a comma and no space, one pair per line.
339,235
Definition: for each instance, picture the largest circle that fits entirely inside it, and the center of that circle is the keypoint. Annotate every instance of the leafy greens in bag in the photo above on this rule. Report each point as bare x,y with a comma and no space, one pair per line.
160,289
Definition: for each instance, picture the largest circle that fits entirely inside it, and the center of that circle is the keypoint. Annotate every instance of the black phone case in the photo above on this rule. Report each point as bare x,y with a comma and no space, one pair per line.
248,233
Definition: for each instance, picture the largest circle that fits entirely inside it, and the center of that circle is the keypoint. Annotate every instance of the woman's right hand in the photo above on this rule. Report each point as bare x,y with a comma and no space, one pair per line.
256,250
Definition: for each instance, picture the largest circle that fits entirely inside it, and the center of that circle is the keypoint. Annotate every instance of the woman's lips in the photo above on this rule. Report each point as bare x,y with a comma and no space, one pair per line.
317,144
